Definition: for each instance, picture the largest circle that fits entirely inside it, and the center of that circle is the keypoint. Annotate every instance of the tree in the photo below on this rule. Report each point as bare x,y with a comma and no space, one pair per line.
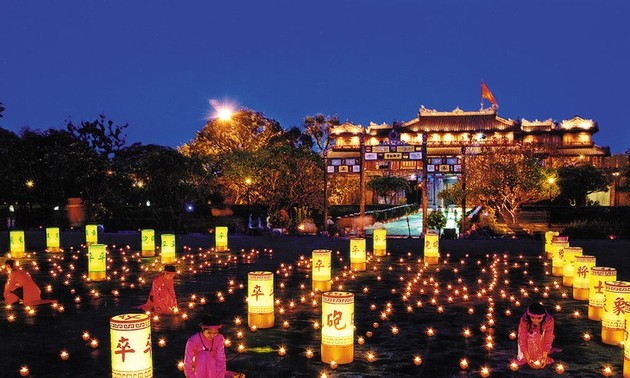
101,135
578,181
388,186
436,220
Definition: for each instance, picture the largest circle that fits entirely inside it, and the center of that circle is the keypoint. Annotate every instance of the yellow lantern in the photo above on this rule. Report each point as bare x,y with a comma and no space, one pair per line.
599,275
616,305
581,275
626,349
130,336
569,264
221,239
167,255
321,274
260,301
147,238
357,254
379,237
548,239
91,234
431,248
17,244
52,239
97,262
558,244
337,327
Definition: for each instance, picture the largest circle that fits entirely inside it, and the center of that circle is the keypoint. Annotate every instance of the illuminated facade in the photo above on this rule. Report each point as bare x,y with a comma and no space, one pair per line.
450,137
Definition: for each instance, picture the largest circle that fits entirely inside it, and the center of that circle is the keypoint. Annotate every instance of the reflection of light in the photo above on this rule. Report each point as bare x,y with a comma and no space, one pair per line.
190,208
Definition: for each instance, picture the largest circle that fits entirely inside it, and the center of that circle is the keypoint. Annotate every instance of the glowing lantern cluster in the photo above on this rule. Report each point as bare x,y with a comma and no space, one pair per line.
581,276
569,263
337,327
53,240
147,239
548,246
130,336
16,244
357,255
221,239
97,262
260,301
379,237
626,350
558,244
616,303
321,272
167,254
91,234
431,248
599,275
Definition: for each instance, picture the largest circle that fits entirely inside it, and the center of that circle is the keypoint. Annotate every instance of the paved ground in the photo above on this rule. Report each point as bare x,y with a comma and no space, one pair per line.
36,340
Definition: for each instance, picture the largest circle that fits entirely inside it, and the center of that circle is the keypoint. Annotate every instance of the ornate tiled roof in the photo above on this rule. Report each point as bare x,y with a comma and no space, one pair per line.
346,128
459,121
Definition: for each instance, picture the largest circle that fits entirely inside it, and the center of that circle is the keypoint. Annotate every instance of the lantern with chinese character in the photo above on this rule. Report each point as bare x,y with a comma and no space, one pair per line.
337,327
582,271
599,275
357,254
321,270
548,239
616,307
167,255
260,301
379,237
97,262
569,263
431,248
130,336
626,349
16,244
147,238
91,234
52,239
221,239
558,244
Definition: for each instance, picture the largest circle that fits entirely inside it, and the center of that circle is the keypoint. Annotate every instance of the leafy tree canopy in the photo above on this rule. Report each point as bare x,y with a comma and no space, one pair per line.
388,186
577,181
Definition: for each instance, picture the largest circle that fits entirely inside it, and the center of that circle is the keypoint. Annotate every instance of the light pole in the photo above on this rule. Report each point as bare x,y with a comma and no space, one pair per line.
551,181
616,175
248,182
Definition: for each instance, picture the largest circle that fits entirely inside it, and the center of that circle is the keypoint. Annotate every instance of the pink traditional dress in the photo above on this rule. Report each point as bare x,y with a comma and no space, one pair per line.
205,358
31,294
162,296
535,340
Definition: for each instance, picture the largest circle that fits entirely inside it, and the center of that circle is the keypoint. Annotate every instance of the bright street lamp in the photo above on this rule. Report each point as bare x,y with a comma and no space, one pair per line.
551,181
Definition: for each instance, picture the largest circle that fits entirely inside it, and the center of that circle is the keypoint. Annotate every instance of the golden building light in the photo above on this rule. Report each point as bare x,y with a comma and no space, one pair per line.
357,255
53,239
97,262
379,237
260,300
337,327
569,264
91,234
548,246
558,244
431,248
17,244
167,253
147,239
581,276
599,275
131,352
617,298
321,270
221,239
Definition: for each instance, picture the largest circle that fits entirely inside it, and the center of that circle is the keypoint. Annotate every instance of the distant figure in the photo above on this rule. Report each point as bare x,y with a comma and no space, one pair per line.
535,335
162,295
205,351
20,286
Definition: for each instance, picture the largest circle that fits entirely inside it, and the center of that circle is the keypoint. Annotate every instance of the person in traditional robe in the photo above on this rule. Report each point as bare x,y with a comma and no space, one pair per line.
205,351
162,295
535,336
20,286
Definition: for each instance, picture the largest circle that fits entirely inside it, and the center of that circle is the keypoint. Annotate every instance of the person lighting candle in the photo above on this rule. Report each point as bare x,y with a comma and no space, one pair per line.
162,297
21,287
535,336
205,351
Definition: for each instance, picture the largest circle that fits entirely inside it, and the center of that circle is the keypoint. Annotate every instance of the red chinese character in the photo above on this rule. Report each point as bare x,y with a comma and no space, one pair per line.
148,346
620,306
123,347
336,319
599,287
319,265
581,271
257,292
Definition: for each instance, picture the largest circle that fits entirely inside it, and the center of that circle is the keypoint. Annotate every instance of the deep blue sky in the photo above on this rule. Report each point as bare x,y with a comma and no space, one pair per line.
156,64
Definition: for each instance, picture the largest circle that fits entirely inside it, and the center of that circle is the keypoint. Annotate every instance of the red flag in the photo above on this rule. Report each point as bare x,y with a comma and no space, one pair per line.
485,93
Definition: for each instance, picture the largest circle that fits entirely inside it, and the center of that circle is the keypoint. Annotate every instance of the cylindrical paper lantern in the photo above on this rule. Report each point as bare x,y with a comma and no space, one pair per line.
260,301
53,241
357,254
147,238
616,304
91,234
97,262
581,276
167,254
569,264
431,248
321,270
626,350
558,244
379,237
337,327
548,239
599,275
16,244
221,239
130,336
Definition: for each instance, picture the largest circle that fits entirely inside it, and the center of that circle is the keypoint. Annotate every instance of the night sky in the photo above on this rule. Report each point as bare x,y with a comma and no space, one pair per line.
156,64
